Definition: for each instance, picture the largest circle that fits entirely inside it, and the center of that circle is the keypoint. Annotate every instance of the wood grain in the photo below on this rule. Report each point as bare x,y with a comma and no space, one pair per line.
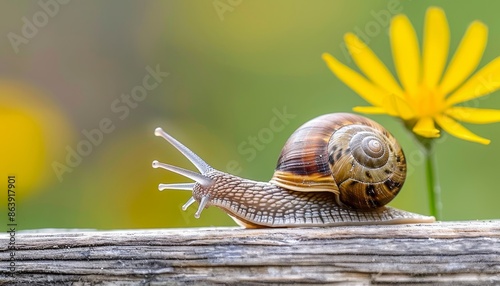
454,253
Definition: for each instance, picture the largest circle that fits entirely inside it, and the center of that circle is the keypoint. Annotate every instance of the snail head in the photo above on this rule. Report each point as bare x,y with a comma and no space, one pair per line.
199,178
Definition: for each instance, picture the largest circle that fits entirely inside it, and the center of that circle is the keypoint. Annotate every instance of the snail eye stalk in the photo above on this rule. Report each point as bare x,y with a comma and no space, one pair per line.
199,178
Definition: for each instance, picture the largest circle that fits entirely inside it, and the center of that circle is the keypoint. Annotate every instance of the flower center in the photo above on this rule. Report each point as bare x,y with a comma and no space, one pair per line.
428,102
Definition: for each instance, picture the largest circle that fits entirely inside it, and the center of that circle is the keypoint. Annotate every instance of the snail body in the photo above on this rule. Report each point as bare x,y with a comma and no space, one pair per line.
336,169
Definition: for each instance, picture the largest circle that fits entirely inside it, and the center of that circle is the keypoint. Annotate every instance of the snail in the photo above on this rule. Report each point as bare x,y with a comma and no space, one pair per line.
336,169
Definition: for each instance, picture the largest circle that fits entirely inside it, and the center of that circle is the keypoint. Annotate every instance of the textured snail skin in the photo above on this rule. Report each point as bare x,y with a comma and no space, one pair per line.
336,169
259,204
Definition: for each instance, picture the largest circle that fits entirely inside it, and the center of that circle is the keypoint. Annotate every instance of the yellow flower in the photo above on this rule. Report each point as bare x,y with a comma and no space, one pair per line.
425,95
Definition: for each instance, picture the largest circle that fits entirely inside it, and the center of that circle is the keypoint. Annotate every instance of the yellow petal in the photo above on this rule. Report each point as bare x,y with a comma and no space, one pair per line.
425,128
371,65
483,82
435,46
399,107
474,115
369,92
456,129
466,58
370,110
405,51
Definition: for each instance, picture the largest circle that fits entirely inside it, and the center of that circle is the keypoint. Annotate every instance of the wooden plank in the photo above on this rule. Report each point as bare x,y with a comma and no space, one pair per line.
449,252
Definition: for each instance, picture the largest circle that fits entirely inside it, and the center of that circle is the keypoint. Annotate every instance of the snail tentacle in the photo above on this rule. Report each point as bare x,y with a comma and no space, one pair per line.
199,178
188,203
201,206
179,186
199,163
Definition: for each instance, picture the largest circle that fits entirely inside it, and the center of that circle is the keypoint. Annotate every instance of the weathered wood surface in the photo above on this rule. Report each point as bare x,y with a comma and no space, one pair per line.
458,253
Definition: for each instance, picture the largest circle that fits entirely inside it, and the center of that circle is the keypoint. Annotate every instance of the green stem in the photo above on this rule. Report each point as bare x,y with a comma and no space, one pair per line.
432,187
434,191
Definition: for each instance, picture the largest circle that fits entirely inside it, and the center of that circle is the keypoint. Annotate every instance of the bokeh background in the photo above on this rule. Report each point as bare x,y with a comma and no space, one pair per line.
68,67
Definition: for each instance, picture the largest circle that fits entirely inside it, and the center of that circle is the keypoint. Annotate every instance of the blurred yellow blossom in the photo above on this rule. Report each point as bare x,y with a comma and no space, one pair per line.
34,131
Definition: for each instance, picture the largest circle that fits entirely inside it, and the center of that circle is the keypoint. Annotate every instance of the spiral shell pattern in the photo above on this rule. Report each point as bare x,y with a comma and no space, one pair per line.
349,155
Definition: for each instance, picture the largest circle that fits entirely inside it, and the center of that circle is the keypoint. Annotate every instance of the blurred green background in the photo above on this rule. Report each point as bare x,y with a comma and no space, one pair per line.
69,66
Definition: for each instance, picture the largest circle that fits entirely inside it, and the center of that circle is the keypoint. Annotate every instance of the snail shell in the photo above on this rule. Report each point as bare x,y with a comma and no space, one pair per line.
337,169
349,155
